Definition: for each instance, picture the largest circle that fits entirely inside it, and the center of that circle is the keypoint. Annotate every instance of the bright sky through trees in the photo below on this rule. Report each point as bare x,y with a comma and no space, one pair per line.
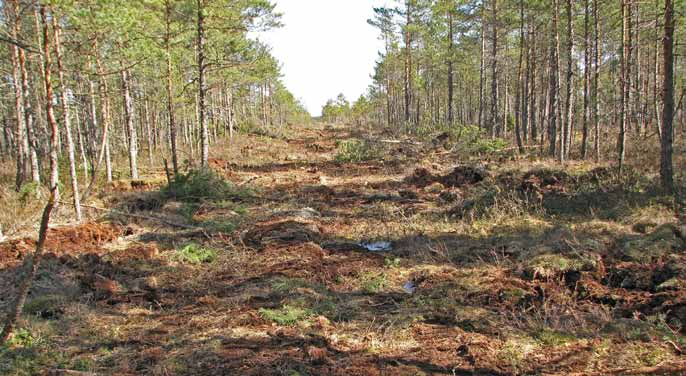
325,45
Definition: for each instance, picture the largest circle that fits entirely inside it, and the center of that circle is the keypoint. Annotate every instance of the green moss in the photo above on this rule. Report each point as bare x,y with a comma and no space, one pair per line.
373,283
662,241
29,353
392,262
23,338
553,265
287,315
516,350
632,330
514,294
672,284
195,254
554,338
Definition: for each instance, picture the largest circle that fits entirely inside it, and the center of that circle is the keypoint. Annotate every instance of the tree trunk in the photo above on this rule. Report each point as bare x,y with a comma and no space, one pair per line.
66,121
656,72
30,267
49,111
666,172
624,82
170,89
450,67
636,113
546,98
417,100
482,63
408,61
532,95
596,80
82,148
506,97
130,127
525,89
494,126
230,112
20,137
202,89
104,110
569,104
587,80
554,84
31,262
30,142
148,127
39,139
518,86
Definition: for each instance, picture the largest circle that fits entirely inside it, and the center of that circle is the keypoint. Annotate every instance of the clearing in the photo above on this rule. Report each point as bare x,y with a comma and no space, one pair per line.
491,268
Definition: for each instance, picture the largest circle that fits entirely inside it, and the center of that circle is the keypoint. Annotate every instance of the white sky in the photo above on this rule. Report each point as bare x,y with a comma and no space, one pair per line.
326,48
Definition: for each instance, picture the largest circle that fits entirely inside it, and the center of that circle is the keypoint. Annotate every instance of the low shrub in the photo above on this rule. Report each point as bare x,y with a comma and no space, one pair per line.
355,151
202,185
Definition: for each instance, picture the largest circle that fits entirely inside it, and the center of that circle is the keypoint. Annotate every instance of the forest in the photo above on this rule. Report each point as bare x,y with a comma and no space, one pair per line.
505,198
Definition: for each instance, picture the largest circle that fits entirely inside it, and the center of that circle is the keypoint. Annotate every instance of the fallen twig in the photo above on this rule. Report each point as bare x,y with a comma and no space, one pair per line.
248,181
140,216
400,142
665,368
68,372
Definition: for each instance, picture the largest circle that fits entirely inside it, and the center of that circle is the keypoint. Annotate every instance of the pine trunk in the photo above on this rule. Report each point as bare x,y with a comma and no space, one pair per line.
587,80
494,126
666,170
202,89
31,262
66,122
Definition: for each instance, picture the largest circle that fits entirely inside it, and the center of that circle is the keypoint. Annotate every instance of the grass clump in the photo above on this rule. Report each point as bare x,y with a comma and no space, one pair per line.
286,285
473,140
516,350
23,338
551,337
489,146
548,266
44,305
29,353
30,191
287,315
220,225
355,151
196,254
373,283
202,185
392,262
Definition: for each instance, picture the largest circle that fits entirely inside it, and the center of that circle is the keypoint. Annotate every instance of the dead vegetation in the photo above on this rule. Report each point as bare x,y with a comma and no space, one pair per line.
493,270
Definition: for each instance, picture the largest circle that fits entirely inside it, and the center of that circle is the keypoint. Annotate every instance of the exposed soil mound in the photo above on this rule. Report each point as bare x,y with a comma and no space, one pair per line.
464,175
545,181
421,177
458,177
87,238
282,231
